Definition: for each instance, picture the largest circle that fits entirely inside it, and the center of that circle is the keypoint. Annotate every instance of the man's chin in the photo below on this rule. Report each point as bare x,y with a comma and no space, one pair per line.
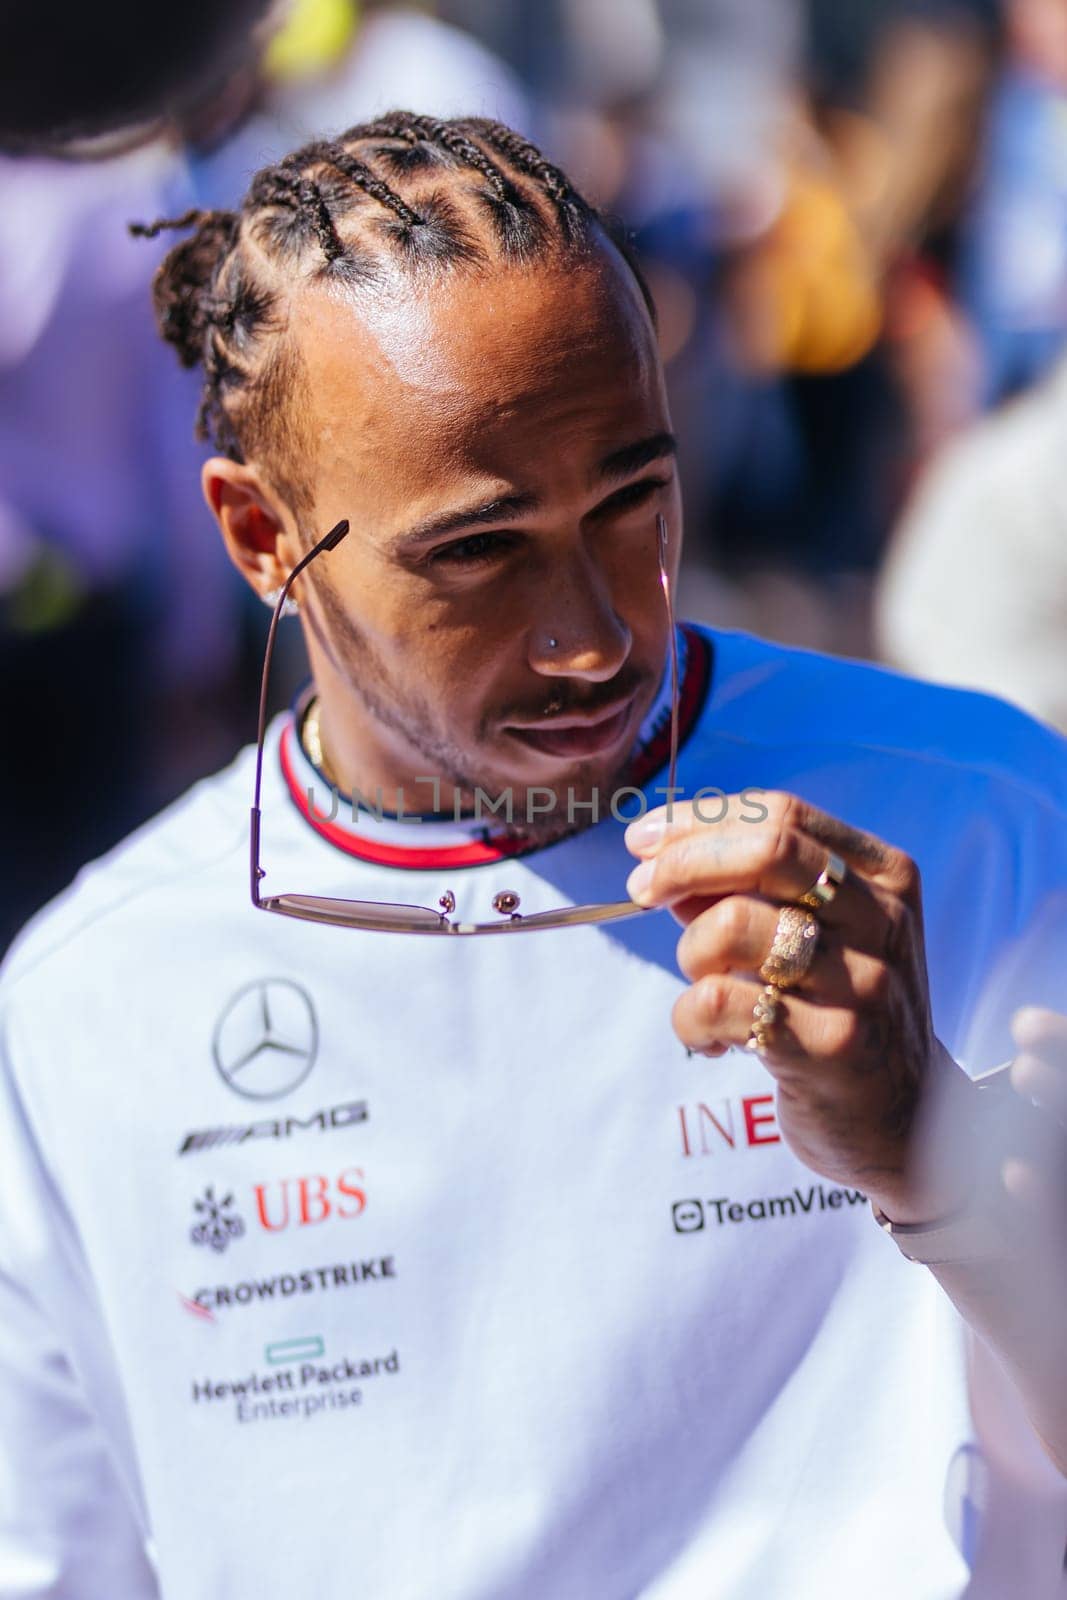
557,798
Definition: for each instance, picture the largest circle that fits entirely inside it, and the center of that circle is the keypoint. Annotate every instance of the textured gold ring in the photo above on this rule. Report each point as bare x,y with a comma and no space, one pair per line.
793,949
765,1014
824,890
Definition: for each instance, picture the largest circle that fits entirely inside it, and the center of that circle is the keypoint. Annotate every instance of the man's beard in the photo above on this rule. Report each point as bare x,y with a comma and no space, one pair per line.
538,813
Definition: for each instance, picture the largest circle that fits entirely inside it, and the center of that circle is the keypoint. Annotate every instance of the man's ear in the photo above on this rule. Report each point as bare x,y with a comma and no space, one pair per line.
255,530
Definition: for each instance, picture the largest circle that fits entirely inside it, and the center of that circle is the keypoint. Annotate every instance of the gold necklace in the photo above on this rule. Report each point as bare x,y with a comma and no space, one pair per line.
311,739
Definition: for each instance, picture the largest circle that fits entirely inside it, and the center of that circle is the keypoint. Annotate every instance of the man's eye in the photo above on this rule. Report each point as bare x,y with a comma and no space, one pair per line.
634,494
470,552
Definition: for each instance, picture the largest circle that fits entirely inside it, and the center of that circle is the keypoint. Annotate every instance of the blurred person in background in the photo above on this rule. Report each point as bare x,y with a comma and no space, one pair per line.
974,590
112,601
974,586
571,1332
778,162
1012,273
88,78
117,610
872,161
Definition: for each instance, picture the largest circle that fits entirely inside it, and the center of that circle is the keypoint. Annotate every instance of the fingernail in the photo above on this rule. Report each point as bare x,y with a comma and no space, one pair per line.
646,833
1029,1023
639,883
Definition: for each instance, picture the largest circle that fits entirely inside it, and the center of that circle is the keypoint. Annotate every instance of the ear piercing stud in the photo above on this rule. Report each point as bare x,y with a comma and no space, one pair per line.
270,600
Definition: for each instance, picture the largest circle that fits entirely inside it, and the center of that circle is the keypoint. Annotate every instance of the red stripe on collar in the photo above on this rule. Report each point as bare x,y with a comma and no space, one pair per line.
475,853
502,847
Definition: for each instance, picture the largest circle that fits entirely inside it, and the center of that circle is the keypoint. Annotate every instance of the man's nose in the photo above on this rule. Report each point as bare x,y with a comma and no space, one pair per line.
578,633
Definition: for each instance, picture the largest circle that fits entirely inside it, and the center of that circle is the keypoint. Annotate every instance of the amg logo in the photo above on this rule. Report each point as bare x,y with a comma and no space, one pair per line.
342,1116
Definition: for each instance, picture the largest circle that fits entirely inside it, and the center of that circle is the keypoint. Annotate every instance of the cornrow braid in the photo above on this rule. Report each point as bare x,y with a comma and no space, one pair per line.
430,131
332,152
184,286
150,230
218,293
518,225
311,195
434,232
286,187
573,209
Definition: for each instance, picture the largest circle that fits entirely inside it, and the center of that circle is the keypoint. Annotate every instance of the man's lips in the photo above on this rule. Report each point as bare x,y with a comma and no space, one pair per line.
574,736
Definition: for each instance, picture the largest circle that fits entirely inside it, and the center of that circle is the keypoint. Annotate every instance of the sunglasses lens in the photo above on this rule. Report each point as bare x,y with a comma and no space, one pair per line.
358,913
565,917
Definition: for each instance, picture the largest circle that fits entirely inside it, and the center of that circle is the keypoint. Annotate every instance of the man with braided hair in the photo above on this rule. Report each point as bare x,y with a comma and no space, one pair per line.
345,1252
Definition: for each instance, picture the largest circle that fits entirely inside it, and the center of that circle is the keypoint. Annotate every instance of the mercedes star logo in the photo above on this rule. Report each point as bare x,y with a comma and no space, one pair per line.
266,1039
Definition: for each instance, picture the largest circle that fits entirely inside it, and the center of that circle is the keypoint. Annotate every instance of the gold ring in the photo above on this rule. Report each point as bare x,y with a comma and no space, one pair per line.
793,949
765,1014
824,890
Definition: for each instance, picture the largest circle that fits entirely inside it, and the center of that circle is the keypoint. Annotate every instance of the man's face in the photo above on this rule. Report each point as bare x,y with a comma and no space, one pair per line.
501,447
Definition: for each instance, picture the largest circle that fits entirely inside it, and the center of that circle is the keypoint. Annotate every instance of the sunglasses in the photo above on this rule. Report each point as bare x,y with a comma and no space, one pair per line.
381,917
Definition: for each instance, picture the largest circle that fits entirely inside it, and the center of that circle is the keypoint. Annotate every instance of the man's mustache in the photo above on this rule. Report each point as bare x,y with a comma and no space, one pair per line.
568,699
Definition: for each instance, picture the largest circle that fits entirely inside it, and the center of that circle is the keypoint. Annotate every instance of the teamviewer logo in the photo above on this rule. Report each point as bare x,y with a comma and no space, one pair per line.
687,1216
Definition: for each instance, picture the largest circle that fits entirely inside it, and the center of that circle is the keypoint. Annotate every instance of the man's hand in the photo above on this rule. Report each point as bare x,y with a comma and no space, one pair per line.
853,1052
1035,1175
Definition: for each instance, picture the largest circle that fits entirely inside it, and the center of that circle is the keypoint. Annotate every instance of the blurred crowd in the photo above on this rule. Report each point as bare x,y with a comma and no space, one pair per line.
854,221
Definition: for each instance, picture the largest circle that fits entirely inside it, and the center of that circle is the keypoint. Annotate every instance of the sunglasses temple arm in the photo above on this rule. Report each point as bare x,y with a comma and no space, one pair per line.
328,542
672,634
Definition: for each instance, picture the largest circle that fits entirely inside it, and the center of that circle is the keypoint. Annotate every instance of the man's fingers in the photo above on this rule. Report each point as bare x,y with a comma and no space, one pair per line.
736,935
1038,1031
1039,1071
705,864
717,1010
767,811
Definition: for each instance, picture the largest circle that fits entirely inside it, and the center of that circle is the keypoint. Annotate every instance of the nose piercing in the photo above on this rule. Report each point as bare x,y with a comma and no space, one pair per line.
552,643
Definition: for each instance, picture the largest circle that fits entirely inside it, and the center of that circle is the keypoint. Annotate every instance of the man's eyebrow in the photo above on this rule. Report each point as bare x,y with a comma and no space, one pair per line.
632,457
612,468
476,516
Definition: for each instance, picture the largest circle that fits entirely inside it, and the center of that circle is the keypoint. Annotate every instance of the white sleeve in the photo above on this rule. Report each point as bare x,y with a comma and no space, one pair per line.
66,1525
69,1529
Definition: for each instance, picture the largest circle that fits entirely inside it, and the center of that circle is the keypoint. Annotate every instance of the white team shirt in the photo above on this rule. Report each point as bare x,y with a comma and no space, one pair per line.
348,1264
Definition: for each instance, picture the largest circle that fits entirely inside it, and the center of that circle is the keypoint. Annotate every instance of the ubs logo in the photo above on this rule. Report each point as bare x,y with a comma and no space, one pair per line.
266,1040
277,1205
219,1223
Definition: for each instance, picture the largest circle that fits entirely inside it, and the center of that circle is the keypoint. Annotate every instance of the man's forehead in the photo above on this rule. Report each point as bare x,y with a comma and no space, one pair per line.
514,381
473,348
